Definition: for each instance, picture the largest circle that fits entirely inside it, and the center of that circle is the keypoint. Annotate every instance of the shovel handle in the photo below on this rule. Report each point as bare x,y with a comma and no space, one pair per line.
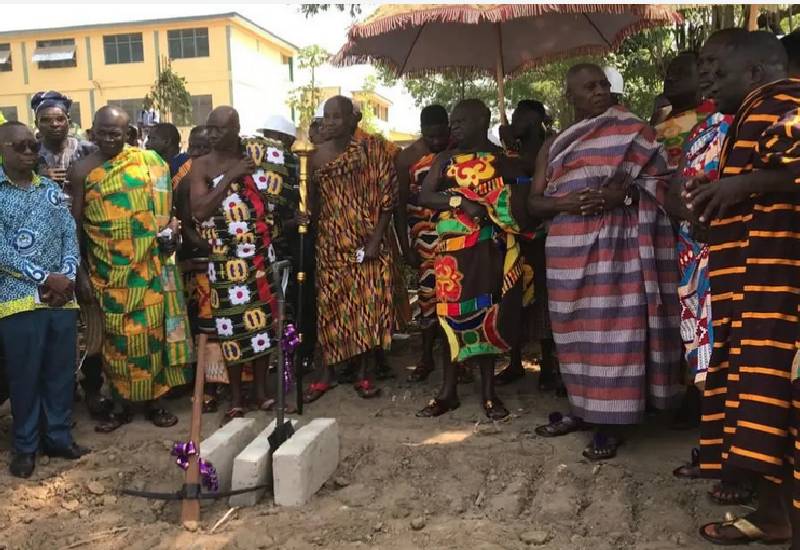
190,508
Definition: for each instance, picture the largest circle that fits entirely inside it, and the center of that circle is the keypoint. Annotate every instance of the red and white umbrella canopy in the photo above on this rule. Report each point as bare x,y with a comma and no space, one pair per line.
426,38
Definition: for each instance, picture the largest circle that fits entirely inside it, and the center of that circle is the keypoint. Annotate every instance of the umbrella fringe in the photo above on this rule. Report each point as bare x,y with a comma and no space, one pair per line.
343,59
454,13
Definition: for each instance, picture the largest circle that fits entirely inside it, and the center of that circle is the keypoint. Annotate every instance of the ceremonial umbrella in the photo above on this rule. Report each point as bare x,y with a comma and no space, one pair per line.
498,39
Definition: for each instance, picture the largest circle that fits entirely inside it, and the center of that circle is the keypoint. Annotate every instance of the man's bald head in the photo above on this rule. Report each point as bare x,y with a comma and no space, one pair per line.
110,130
223,129
709,56
110,115
469,123
747,62
340,118
588,90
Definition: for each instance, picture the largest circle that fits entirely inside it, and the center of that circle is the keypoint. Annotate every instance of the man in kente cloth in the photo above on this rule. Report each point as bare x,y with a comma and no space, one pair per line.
611,265
687,109
751,398
478,265
123,208
527,134
229,197
416,226
355,184
701,155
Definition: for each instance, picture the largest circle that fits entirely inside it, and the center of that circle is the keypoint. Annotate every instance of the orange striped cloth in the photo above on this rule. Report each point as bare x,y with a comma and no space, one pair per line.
749,417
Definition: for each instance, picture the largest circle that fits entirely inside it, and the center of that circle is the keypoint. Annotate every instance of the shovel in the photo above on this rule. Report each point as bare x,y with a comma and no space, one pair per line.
283,430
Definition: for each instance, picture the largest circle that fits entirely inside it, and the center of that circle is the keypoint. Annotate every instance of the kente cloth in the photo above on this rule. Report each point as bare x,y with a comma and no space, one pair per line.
354,300
748,408
241,233
179,167
702,152
198,292
478,264
147,342
675,129
612,278
422,230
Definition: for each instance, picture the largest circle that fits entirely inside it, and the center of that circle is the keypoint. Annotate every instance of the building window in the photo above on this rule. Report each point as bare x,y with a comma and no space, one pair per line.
55,54
123,48
75,113
201,108
5,57
185,43
289,62
9,113
131,106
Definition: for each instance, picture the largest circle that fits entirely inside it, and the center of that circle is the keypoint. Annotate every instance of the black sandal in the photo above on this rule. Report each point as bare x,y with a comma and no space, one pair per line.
230,414
210,405
690,470
559,425
726,493
748,532
602,447
495,410
161,418
438,407
114,421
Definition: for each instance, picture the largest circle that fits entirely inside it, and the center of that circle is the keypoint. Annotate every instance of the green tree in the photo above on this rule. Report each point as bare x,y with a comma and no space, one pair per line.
169,96
303,100
310,10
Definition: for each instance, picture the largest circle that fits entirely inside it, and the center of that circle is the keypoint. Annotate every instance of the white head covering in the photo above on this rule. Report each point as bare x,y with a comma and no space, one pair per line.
615,78
279,123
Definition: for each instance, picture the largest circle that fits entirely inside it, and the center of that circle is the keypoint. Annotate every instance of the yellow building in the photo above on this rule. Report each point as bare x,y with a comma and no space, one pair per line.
226,60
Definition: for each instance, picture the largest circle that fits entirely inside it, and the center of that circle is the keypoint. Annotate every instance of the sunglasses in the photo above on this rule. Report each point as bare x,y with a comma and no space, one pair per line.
24,145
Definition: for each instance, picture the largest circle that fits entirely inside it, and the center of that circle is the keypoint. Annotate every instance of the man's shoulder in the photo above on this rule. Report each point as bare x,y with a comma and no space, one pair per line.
86,164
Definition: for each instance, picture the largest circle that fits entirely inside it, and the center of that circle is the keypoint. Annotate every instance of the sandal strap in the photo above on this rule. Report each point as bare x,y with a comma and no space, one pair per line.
364,384
319,386
747,528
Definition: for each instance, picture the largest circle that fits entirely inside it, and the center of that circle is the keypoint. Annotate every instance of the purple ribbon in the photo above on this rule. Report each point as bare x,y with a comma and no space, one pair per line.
289,344
183,450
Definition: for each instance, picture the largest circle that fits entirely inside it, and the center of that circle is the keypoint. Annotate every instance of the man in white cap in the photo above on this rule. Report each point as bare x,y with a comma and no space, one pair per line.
617,84
280,128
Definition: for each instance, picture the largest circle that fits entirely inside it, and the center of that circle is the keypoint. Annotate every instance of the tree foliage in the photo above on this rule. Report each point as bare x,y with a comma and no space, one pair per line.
310,10
169,96
303,100
369,119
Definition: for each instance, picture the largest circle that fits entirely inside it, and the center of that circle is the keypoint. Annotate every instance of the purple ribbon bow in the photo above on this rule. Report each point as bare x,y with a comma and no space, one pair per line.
289,344
183,450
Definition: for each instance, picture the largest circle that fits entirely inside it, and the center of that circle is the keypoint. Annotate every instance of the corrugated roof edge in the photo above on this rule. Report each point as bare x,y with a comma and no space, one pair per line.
231,14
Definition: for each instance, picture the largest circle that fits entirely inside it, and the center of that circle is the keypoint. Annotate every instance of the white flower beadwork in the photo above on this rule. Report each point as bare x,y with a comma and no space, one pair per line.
233,201
237,228
274,155
246,250
212,273
238,295
224,327
260,342
261,180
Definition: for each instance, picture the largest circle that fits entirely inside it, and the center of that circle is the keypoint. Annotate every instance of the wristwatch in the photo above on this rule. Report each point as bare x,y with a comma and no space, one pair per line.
455,201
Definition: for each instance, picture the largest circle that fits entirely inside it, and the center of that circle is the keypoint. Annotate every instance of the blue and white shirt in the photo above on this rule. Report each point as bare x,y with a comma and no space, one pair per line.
37,237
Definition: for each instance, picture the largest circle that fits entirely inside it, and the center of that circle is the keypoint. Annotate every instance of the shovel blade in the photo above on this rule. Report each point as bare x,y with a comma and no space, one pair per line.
280,435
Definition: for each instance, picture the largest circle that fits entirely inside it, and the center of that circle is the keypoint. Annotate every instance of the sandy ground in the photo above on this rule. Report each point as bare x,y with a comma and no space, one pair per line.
403,483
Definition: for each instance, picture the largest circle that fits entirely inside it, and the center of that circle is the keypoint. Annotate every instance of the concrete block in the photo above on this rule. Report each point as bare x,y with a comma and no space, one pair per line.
305,462
253,466
223,445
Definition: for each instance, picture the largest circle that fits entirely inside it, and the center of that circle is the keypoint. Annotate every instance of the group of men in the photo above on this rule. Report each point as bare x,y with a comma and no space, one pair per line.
635,236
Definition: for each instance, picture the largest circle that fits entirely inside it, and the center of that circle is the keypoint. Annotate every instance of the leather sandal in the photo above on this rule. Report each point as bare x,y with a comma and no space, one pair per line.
366,389
161,418
438,407
495,410
113,421
316,390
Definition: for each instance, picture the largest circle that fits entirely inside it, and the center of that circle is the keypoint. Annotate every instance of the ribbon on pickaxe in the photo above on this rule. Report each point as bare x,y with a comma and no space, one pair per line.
289,343
182,450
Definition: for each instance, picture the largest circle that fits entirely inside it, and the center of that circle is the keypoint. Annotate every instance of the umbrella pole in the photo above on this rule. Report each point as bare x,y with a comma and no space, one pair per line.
501,85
